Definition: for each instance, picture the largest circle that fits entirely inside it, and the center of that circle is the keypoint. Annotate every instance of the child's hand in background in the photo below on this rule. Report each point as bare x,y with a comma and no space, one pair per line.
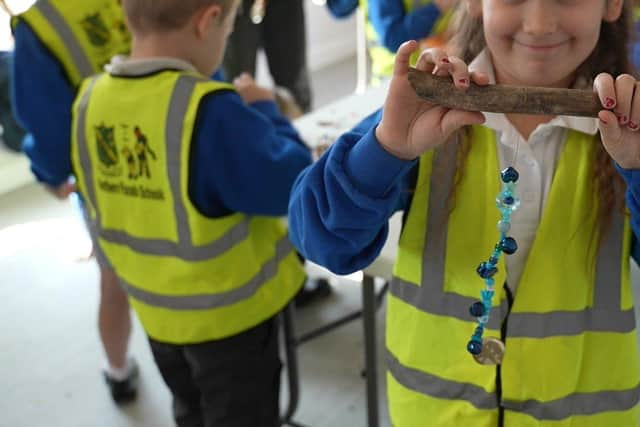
620,118
410,126
249,91
63,190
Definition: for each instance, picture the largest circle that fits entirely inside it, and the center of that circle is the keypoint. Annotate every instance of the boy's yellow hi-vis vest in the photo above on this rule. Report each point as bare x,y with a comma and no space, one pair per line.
571,346
190,278
381,59
82,34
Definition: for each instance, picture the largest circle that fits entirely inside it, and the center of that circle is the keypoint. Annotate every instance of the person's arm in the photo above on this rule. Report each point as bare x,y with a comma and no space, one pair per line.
243,159
394,26
632,178
340,206
42,101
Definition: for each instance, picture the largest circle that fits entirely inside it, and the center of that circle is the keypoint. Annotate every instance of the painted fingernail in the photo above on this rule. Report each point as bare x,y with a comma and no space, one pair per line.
632,125
609,102
463,82
623,120
445,60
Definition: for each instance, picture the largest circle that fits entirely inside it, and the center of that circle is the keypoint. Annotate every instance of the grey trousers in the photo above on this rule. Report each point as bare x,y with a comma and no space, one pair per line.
282,36
232,382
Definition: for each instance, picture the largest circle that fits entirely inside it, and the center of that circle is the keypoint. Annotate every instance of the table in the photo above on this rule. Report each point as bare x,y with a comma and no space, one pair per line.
322,127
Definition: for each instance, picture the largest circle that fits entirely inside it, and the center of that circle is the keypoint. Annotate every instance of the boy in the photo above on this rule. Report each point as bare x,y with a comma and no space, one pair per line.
57,44
195,239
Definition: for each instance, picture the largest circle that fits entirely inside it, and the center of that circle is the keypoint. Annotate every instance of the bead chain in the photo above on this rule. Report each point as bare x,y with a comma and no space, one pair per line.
507,202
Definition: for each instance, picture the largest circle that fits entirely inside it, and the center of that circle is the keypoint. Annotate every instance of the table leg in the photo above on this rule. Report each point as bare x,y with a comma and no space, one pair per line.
370,359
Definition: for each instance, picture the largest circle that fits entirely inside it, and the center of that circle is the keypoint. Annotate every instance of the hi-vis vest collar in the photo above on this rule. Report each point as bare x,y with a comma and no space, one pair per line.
432,290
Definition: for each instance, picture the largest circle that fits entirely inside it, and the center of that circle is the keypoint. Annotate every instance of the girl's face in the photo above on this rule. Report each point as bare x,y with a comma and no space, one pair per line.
542,42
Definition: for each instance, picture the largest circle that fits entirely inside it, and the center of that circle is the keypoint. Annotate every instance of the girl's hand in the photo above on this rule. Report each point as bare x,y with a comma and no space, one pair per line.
410,126
620,118
249,91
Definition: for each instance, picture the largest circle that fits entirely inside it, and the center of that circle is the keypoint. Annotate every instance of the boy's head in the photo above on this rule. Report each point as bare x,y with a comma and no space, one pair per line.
198,28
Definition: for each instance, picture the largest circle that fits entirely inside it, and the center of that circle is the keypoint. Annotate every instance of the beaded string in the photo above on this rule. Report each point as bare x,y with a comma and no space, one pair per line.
507,202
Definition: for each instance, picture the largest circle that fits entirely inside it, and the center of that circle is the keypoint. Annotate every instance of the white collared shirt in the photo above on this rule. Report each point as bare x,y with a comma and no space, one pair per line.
536,162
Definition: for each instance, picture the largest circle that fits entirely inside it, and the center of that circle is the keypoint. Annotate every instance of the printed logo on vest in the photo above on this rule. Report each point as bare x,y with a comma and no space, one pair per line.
136,154
97,31
107,150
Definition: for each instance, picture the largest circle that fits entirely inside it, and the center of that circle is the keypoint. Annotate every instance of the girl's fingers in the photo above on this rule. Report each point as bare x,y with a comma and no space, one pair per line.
402,59
624,87
433,59
634,115
453,120
480,78
610,130
605,88
459,73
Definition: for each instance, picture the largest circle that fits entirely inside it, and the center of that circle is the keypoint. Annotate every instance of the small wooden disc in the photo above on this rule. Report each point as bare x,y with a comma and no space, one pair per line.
492,352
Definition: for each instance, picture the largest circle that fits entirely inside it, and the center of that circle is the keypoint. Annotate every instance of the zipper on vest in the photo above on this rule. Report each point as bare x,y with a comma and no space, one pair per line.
503,337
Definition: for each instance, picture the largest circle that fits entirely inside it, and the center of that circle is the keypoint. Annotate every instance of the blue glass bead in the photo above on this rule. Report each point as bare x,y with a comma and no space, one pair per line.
508,200
493,260
483,320
477,309
474,347
478,333
487,294
504,226
486,270
509,175
509,245
490,281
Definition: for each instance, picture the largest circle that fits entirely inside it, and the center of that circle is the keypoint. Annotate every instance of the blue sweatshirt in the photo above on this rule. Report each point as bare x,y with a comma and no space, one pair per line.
243,159
394,26
340,206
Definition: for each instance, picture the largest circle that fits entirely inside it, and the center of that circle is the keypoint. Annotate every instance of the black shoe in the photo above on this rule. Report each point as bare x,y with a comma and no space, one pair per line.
124,391
313,289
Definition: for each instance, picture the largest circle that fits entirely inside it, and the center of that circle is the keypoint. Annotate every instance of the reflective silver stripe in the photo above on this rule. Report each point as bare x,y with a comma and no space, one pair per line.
210,301
83,152
566,323
607,292
577,404
178,106
429,298
439,388
573,405
80,59
184,248
605,316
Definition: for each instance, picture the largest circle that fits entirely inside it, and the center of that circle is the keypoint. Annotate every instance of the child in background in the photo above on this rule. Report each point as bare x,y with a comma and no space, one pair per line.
57,44
391,22
562,303
196,240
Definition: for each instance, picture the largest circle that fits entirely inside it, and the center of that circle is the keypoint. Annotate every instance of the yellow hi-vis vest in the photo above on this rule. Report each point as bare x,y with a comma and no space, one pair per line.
381,58
571,346
83,35
189,278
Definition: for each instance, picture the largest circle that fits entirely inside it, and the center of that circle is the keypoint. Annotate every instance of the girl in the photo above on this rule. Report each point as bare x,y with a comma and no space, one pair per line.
551,325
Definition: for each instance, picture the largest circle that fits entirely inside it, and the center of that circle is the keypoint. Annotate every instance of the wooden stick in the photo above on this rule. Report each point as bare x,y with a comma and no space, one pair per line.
505,99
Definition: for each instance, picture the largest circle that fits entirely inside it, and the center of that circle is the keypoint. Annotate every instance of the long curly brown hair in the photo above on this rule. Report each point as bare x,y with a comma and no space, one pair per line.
610,55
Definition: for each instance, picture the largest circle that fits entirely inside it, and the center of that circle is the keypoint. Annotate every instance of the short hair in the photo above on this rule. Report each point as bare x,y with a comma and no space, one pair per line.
164,15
